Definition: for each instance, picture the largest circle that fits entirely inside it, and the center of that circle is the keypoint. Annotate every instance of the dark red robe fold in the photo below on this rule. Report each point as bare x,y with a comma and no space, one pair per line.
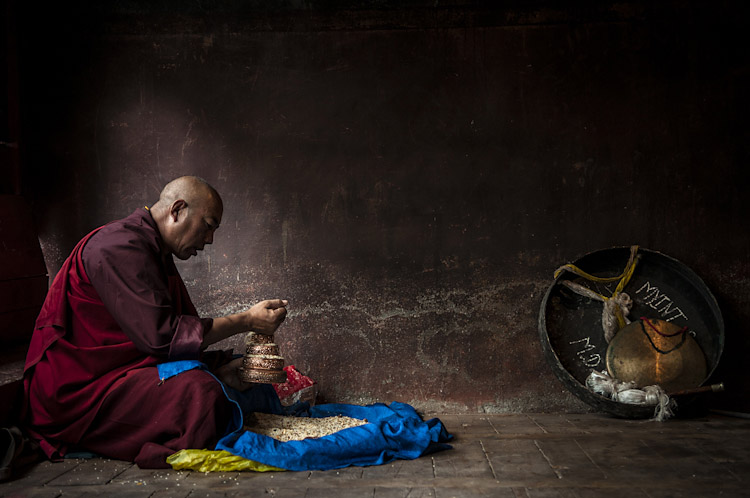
90,369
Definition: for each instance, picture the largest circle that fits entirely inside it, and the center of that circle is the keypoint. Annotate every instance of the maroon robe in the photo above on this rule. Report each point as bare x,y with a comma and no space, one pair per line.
115,310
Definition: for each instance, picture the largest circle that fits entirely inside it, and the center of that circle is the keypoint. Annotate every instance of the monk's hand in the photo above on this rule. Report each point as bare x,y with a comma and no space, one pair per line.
266,316
229,375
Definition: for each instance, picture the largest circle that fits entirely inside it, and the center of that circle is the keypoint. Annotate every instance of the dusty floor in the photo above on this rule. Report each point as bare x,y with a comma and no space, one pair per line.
519,455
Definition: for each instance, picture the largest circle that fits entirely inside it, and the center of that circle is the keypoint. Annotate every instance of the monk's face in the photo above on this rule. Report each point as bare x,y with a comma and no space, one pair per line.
195,228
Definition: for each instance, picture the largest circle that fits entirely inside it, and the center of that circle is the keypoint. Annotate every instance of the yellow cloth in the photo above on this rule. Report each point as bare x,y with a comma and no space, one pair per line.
215,461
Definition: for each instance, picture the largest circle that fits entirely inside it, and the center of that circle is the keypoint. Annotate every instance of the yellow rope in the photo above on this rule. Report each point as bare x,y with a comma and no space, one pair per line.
623,278
629,269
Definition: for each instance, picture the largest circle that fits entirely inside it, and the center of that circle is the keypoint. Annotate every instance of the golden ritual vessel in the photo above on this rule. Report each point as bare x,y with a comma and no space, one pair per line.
262,362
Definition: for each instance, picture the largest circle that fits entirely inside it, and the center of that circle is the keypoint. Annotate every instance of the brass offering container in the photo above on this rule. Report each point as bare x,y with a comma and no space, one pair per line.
262,363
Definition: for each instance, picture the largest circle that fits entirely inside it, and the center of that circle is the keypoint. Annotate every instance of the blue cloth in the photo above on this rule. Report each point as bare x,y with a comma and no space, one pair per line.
172,368
393,432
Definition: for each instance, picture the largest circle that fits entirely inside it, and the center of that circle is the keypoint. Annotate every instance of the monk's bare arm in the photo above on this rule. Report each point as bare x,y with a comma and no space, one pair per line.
264,318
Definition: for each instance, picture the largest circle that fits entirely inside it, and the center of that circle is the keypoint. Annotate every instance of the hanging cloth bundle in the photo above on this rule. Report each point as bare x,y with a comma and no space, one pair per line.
617,306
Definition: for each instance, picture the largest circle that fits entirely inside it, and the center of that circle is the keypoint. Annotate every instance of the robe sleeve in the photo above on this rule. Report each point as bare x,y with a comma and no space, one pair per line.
131,279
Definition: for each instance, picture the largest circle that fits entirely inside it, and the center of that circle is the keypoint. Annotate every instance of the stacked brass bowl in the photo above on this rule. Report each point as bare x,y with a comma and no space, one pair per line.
262,362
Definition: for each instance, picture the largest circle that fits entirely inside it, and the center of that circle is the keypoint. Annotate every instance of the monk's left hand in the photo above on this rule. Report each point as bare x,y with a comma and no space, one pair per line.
229,375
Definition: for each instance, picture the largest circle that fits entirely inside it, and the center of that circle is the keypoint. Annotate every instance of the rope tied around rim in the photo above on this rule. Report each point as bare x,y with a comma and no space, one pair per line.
617,306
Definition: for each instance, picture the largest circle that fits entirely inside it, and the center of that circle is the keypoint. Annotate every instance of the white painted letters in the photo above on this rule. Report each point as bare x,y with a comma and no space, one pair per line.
590,360
660,302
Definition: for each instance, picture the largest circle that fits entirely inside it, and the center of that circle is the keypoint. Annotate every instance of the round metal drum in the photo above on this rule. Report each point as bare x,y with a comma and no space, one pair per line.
662,288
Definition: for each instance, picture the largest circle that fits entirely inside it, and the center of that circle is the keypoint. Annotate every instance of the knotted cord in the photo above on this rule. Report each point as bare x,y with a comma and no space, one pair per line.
682,331
618,305
629,393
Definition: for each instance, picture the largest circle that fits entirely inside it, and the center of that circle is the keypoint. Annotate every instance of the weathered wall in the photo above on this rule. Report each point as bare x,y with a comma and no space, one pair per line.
409,178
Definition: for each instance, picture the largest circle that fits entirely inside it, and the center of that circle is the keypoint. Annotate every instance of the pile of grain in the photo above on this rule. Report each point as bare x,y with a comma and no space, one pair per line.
298,428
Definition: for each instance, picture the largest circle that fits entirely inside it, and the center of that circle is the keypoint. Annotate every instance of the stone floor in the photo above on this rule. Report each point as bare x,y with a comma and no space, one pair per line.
518,455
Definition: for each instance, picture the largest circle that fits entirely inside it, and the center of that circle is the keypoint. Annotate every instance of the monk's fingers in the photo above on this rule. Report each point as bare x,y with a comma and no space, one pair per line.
275,303
235,363
276,309
275,317
229,375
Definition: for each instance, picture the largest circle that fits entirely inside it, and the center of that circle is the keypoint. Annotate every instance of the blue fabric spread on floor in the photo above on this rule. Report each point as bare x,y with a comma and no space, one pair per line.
394,431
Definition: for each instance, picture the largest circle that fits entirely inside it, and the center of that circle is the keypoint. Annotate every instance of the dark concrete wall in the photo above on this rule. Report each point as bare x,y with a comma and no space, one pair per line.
408,177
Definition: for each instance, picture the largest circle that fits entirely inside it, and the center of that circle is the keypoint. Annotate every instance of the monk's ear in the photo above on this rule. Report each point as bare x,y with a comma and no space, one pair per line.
176,209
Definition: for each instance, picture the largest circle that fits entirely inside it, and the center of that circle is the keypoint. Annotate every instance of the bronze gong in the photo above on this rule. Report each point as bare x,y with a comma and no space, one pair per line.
652,351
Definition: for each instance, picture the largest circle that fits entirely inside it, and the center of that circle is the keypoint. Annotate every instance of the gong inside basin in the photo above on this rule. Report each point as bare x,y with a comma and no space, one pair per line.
661,287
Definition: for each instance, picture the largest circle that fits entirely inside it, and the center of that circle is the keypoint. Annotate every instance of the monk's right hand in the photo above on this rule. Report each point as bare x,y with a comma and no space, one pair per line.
266,316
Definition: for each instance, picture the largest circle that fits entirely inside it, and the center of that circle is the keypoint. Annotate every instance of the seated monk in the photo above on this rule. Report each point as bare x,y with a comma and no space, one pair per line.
115,310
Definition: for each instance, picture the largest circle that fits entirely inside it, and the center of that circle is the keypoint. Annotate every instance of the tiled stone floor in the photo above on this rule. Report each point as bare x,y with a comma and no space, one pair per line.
518,455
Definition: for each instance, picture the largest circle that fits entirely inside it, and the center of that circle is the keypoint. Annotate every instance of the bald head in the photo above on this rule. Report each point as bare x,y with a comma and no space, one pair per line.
187,214
192,189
